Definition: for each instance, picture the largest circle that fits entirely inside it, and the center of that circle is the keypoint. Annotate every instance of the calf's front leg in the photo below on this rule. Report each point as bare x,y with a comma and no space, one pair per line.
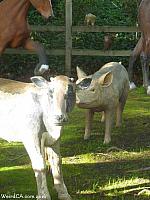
55,160
32,146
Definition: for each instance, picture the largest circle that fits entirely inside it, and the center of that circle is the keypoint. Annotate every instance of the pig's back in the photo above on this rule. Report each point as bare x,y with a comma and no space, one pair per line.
118,70
120,75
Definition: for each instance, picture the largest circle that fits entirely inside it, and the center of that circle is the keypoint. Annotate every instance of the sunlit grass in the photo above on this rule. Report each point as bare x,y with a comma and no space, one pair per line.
2,169
113,186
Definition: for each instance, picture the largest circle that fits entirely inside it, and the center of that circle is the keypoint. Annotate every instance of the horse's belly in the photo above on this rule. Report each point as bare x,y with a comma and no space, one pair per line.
18,41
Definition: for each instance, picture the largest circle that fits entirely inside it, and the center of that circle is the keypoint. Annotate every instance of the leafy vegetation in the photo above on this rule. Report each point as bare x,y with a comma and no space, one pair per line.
92,170
116,12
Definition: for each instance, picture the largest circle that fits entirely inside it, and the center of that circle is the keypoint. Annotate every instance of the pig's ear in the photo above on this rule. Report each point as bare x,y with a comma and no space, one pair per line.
106,79
39,81
80,73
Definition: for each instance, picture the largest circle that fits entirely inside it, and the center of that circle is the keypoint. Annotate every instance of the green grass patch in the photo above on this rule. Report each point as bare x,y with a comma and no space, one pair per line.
90,170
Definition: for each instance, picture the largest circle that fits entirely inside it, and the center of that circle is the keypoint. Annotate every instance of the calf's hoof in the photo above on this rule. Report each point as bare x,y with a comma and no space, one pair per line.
148,90
64,197
132,85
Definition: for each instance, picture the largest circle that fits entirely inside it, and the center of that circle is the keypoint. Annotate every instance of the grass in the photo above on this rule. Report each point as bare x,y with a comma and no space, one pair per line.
91,172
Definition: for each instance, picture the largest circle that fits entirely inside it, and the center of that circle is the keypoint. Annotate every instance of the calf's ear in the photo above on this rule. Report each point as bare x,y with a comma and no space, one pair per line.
39,81
80,73
106,79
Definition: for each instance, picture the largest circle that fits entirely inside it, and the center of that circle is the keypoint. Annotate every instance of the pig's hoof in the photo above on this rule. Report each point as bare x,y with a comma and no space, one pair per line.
86,137
102,120
132,85
148,90
107,141
119,124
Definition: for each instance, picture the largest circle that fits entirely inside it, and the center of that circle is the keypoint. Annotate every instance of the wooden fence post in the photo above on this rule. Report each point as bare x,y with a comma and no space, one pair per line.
68,53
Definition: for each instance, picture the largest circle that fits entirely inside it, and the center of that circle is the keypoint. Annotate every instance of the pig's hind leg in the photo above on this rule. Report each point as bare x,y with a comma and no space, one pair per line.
109,119
120,108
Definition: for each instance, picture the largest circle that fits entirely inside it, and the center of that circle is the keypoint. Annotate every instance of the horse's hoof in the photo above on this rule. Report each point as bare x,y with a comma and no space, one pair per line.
40,69
43,68
132,85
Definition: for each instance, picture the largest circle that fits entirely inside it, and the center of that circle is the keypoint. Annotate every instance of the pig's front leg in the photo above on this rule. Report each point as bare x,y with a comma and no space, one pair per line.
88,123
109,118
103,117
55,163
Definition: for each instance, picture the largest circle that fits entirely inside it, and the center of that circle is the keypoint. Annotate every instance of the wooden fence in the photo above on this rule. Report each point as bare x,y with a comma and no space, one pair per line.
69,29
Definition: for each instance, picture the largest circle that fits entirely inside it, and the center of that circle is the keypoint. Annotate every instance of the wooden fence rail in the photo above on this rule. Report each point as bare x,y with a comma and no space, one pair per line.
84,52
78,52
75,52
95,29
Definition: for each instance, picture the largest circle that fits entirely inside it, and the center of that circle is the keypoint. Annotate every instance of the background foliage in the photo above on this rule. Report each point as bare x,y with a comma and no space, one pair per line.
108,12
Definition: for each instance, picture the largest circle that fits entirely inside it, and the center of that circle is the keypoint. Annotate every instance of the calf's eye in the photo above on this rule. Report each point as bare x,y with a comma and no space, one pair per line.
65,96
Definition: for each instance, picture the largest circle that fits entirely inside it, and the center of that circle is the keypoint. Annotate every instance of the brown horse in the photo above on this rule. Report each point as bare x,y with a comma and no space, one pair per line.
14,30
143,46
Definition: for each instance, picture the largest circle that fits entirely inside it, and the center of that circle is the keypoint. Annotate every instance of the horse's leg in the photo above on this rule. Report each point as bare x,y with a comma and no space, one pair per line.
144,63
38,164
145,70
135,53
54,158
42,66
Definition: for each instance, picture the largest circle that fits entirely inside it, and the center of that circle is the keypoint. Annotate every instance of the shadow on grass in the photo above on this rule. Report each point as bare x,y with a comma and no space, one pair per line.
12,154
132,136
106,180
96,181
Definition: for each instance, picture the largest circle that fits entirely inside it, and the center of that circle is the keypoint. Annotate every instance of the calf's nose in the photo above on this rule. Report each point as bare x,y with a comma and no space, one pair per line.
62,118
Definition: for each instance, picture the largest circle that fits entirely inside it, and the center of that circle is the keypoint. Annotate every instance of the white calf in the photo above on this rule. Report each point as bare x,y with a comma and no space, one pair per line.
33,113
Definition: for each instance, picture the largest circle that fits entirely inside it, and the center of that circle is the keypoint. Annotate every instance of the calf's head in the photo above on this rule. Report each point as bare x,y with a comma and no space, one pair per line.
57,97
90,89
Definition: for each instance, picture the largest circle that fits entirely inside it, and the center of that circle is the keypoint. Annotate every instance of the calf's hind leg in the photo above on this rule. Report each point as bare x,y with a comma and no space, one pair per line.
34,151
